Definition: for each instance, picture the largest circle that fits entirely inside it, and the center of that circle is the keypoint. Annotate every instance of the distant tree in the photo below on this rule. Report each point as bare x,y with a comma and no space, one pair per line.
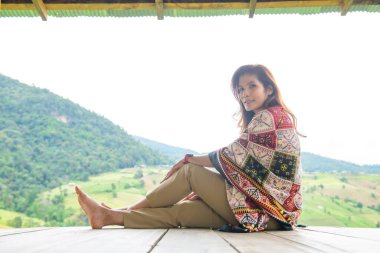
138,174
16,222
378,224
373,195
343,179
360,206
113,186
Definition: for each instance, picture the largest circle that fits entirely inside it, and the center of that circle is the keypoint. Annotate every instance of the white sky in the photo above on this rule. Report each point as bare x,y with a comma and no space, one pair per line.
169,80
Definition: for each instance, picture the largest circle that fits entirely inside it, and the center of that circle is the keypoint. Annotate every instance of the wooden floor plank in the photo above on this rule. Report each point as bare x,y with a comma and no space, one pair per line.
329,242
264,242
192,240
82,239
364,233
12,231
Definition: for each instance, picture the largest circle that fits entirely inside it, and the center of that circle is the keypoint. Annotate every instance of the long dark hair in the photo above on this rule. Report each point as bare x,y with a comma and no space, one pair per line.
266,78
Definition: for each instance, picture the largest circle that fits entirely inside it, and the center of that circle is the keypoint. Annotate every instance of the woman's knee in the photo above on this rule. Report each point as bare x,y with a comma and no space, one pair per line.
192,169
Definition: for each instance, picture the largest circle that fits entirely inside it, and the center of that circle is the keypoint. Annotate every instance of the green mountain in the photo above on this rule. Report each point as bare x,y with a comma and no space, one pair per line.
46,140
175,153
317,163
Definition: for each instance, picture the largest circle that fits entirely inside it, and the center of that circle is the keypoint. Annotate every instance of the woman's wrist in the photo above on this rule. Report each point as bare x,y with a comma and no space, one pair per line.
186,158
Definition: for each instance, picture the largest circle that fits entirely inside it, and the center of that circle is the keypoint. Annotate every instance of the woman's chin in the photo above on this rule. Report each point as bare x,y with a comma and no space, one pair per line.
249,109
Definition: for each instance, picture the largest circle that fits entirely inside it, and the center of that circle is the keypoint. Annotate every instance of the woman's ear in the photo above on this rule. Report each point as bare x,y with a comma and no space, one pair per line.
269,90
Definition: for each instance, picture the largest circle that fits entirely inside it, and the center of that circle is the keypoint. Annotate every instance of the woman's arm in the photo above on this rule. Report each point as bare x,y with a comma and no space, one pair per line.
202,160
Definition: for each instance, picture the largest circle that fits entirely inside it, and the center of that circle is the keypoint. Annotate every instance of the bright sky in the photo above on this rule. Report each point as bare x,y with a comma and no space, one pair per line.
169,80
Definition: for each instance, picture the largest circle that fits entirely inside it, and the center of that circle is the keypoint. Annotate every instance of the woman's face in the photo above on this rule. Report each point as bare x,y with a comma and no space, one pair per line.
252,93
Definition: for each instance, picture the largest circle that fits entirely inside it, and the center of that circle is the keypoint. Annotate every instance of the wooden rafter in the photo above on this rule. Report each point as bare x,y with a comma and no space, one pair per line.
41,9
147,6
252,7
160,9
346,5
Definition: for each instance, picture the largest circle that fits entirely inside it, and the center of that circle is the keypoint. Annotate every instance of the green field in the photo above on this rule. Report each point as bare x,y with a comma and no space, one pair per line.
115,189
330,199
9,219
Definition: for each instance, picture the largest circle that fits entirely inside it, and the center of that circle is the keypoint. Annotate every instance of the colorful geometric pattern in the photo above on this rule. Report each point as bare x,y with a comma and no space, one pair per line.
261,154
263,122
284,165
254,169
236,152
267,139
287,142
278,187
264,171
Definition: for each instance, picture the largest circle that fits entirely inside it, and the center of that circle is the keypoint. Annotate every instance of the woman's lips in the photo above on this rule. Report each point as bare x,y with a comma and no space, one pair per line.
249,102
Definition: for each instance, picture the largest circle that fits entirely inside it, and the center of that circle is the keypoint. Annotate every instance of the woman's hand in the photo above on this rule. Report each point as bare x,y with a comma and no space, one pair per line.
192,196
174,169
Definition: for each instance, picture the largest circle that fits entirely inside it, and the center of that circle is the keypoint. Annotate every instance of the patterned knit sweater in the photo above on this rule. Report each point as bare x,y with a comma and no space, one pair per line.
263,171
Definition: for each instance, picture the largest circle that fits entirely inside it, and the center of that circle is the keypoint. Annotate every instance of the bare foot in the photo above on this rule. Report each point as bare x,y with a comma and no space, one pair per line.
96,214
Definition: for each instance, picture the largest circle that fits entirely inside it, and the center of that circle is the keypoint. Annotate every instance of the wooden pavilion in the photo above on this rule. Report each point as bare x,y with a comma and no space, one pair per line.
178,8
83,239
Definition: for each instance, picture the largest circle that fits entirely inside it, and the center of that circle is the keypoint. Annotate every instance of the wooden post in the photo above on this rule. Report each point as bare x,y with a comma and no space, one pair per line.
346,5
41,9
160,9
252,8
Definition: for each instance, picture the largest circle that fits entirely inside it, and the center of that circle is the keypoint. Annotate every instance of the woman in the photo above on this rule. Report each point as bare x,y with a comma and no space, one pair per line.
259,179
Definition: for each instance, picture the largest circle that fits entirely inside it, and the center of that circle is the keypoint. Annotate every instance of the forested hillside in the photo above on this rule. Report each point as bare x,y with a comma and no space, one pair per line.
46,140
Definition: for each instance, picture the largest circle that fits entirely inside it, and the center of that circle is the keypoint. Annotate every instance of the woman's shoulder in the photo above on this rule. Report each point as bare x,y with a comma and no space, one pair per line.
274,117
274,111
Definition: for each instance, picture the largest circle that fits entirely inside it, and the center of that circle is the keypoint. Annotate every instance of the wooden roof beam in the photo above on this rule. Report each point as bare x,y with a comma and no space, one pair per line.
41,9
346,5
252,7
152,6
160,9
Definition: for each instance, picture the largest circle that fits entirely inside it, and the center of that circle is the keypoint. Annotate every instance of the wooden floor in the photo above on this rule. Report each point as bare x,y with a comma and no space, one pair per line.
115,240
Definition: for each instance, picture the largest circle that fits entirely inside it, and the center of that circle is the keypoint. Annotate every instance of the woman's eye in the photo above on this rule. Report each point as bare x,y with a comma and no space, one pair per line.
252,85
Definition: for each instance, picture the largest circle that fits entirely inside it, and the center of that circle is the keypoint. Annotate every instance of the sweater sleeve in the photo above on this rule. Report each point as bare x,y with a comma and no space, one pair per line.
214,160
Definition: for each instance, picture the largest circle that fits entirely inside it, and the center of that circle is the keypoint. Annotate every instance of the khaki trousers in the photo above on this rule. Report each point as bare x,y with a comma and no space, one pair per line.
167,210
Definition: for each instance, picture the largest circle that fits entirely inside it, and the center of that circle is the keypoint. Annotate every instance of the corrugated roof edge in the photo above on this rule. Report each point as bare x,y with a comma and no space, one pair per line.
186,12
